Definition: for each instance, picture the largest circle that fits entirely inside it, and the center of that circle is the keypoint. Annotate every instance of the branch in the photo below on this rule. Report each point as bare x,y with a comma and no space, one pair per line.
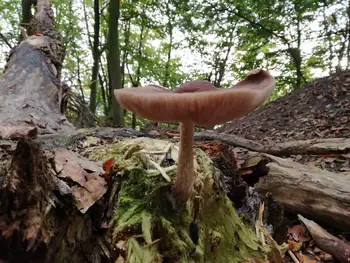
5,40
316,146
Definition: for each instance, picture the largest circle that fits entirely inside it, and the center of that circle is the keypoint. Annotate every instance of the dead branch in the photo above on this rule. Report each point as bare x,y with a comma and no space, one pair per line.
327,242
316,146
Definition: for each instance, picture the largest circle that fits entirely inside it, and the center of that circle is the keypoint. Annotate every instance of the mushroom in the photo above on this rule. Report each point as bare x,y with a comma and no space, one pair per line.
196,103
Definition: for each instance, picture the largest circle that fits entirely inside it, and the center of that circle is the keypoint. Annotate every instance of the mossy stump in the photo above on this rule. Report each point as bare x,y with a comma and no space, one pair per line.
144,227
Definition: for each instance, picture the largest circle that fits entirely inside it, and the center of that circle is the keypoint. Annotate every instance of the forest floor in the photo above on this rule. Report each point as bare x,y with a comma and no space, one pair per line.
321,109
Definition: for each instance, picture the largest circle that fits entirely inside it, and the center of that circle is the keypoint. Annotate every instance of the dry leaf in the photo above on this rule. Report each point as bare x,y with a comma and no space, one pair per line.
298,233
305,259
90,187
294,246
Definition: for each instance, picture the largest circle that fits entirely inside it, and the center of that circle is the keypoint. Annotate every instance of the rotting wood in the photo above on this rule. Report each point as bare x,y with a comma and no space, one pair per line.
31,91
317,146
319,194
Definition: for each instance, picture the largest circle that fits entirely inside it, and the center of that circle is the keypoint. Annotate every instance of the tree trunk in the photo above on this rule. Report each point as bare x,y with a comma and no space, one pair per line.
96,57
114,71
26,12
31,92
299,60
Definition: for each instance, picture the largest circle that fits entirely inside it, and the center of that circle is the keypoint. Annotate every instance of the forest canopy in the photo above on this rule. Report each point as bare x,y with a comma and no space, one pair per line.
170,42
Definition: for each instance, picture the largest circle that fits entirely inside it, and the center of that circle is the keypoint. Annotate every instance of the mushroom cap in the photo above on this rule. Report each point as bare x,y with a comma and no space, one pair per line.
198,101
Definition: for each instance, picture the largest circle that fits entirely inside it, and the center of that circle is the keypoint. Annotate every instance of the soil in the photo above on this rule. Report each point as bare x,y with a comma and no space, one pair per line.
320,109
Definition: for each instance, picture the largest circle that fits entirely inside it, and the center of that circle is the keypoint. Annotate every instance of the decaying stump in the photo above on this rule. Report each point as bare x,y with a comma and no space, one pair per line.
62,207
32,96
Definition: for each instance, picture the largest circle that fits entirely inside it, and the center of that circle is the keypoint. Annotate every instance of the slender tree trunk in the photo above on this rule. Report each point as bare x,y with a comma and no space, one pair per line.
126,43
106,84
299,60
80,85
103,94
340,56
113,58
223,64
170,27
348,36
26,11
329,40
96,56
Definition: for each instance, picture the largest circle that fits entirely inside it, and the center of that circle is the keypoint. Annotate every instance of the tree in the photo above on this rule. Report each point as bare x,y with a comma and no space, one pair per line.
96,58
114,70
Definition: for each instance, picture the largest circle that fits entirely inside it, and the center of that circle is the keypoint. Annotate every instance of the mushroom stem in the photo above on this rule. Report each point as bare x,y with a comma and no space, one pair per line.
185,176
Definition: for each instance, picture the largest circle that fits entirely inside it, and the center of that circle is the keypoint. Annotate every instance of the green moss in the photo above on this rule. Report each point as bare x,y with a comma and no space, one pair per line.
152,230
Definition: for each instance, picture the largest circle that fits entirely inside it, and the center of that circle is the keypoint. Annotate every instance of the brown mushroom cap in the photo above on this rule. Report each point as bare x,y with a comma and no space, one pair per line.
198,101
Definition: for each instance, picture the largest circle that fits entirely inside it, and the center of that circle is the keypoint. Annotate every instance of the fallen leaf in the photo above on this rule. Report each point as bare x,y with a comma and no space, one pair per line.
108,165
90,185
305,259
120,259
294,246
325,256
298,233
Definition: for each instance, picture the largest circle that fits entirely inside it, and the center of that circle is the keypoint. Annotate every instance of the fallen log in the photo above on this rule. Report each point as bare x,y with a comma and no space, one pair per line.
316,146
319,194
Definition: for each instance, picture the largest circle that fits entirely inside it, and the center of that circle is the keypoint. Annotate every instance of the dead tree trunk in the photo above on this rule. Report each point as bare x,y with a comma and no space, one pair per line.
32,95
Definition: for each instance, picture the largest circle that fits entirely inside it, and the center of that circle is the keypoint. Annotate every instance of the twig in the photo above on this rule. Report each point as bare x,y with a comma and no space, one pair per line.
291,254
5,40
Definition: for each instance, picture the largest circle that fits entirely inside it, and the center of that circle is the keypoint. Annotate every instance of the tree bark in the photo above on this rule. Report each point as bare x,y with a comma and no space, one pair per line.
31,92
114,69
